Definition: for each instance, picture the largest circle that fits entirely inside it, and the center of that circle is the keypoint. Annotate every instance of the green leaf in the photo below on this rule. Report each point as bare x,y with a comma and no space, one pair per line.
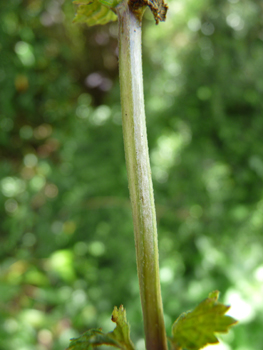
89,340
195,329
119,337
94,12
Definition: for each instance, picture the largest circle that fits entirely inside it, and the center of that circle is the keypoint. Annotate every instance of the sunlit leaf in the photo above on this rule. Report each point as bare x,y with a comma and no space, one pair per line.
94,12
195,329
119,337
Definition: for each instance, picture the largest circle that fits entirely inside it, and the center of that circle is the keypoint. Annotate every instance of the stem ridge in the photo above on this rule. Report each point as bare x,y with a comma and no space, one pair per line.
139,174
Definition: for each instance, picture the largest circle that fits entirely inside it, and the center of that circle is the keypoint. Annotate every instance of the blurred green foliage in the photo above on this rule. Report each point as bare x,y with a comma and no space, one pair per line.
67,252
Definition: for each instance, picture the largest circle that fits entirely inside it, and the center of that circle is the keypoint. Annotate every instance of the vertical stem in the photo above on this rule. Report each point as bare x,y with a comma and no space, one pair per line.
139,175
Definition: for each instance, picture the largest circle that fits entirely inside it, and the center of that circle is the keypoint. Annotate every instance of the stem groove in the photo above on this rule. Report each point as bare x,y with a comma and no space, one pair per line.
139,174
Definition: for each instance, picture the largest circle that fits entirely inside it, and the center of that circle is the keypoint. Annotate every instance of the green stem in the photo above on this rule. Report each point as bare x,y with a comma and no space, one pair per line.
139,175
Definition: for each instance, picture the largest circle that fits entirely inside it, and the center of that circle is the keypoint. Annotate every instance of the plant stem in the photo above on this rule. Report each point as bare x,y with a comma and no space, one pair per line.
139,175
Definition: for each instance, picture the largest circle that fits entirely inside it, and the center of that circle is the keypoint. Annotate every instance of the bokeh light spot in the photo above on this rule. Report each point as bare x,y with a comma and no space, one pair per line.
30,160
97,248
207,28
12,186
101,115
166,274
37,182
240,308
45,337
51,190
194,24
25,53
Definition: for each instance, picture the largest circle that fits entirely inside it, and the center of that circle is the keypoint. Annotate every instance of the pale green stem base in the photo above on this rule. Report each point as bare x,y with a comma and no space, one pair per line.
139,176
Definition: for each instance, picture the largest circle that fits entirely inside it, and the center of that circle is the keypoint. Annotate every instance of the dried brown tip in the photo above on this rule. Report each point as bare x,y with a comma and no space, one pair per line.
158,7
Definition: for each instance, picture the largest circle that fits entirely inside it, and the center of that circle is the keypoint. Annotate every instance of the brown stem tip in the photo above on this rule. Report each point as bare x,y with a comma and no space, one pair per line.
158,7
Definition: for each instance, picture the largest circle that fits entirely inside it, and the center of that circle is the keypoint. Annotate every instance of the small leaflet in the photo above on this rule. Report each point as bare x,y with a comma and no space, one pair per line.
195,329
119,337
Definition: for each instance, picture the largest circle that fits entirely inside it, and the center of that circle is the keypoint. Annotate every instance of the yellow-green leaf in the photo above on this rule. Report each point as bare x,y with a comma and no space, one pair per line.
195,329
93,12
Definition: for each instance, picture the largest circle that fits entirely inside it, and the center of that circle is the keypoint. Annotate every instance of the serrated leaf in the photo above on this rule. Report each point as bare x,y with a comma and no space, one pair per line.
94,12
195,329
89,340
119,337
